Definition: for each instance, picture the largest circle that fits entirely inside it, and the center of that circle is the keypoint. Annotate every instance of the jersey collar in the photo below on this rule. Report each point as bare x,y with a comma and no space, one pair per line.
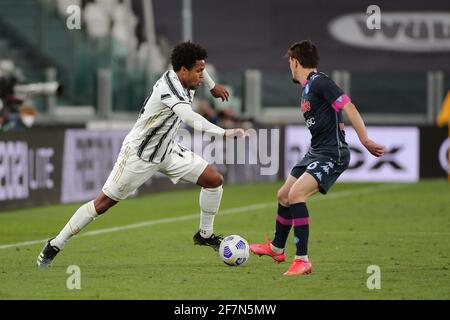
304,83
310,75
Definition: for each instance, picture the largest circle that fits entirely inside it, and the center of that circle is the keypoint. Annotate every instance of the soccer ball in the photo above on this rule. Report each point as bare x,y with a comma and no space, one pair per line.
234,250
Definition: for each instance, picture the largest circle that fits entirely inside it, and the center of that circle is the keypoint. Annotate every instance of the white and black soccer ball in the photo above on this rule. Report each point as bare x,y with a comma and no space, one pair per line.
234,250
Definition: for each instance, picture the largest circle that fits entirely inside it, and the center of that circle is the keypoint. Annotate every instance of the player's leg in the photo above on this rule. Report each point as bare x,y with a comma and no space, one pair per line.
128,174
80,219
188,166
321,173
211,182
211,192
284,218
299,193
283,223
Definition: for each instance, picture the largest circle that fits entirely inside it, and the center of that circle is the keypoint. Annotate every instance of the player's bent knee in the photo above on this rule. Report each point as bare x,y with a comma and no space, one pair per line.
214,181
297,195
219,181
103,203
282,196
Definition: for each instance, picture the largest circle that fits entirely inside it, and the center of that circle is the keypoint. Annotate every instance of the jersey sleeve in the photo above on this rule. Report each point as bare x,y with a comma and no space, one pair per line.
170,100
195,120
327,89
170,94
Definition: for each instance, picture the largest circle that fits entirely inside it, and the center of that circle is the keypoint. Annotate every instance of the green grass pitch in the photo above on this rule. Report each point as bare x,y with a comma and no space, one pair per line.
402,228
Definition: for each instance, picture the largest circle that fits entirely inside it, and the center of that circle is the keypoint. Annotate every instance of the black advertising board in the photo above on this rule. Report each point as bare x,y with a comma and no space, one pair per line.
434,148
30,168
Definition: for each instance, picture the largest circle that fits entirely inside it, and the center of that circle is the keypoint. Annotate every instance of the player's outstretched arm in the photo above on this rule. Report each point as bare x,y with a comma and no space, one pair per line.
358,124
198,122
217,90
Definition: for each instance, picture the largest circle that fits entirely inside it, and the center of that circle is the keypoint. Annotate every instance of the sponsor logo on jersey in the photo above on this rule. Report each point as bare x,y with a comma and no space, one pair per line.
326,169
305,106
318,175
306,89
310,122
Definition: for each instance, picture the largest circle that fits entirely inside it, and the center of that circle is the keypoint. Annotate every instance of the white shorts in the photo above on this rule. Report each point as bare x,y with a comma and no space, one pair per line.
130,171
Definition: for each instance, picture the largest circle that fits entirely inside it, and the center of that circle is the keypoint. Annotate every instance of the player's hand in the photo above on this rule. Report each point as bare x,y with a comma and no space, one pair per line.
374,148
220,92
239,133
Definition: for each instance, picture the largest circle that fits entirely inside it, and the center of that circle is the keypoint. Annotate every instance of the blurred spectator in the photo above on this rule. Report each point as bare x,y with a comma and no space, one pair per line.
233,102
3,117
152,55
108,6
10,75
63,4
97,20
227,118
123,30
205,109
28,115
14,114
8,79
17,116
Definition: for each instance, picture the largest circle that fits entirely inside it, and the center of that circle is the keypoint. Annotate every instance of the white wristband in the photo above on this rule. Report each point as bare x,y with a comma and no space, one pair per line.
209,82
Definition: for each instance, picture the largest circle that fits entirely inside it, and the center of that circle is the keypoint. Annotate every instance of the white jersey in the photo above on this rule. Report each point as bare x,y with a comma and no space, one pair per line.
153,134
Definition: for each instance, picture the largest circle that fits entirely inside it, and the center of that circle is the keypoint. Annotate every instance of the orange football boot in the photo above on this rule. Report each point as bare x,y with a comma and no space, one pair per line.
264,249
299,267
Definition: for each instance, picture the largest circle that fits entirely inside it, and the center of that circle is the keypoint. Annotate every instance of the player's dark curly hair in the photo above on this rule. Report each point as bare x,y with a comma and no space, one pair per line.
185,54
305,52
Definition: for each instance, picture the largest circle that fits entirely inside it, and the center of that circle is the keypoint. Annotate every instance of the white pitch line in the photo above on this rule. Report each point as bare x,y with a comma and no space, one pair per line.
253,207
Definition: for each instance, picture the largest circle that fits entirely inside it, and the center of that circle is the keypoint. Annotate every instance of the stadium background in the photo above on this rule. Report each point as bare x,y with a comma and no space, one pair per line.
398,79
105,68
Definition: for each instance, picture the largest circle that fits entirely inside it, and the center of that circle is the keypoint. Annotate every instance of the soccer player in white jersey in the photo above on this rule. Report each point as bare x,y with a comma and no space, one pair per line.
150,146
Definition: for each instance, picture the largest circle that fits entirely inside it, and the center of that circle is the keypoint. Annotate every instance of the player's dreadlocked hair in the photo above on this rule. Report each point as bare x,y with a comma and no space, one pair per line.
305,52
185,54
